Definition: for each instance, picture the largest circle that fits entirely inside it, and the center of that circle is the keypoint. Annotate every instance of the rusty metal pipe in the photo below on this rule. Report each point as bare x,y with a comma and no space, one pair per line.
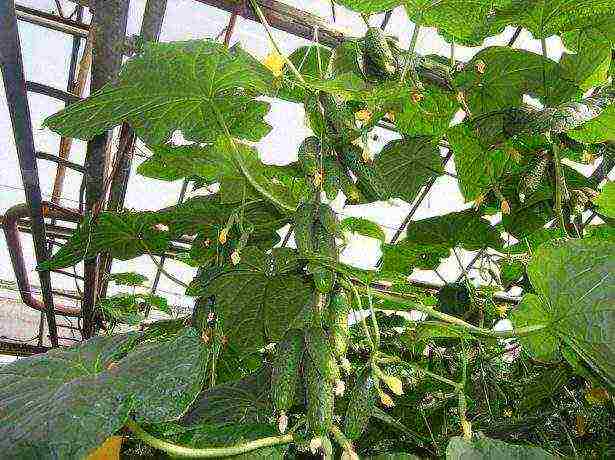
9,224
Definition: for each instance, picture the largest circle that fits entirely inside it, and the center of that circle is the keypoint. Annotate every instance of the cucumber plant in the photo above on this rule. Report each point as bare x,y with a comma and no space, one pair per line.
290,352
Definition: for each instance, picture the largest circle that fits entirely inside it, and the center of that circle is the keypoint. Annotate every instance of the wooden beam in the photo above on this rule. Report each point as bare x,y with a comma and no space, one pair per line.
286,18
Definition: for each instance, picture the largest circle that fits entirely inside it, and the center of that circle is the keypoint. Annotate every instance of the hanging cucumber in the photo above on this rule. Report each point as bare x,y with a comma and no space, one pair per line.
324,276
377,51
362,402
286,370
337,321
530,182
330,117
319,398
318,349
315,230
310,156
305,217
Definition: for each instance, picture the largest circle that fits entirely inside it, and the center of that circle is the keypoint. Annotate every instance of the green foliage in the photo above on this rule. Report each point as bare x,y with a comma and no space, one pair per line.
477,167
554,17
462,21
419,155
369,6
574,301
466,229
195,87
312,62
84,394
492,449
606,200
506,76
260,298
327,372
128,279
428,115
125,235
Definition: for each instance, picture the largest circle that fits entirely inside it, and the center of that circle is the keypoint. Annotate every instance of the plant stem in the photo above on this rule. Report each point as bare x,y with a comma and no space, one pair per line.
244,169
166,273
189,452
559,188
357,297
411,48
479,331
373,318
267,27
433,375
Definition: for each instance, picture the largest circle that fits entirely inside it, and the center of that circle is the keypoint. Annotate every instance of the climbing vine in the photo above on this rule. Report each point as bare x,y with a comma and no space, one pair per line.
289,351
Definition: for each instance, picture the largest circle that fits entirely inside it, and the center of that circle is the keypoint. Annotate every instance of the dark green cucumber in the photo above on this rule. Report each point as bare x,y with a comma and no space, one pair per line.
326,249
305,217
310,155
318,349
319,398
378,52
286,370
531,180
361,405
337,321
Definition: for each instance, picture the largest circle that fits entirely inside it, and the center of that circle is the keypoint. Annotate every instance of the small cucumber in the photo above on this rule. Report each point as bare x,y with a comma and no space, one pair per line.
285,373
362,401
319,398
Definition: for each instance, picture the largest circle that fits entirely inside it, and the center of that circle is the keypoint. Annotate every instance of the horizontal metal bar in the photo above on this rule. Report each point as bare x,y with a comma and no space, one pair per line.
51,21
50,91
60,161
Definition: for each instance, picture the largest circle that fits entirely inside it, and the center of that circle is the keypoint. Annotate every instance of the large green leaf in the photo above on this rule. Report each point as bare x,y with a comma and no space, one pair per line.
478,168
507,75
207,215
370,6
606,200
404,256
460,20
575,297
125,235
526,219
587,63
552,17
185,86
492,449
242,401
260,298
406,164
431,116
466,229
532,311
173,162
65,403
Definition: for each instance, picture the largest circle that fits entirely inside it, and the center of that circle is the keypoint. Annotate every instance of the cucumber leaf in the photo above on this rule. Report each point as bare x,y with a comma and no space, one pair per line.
65,403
